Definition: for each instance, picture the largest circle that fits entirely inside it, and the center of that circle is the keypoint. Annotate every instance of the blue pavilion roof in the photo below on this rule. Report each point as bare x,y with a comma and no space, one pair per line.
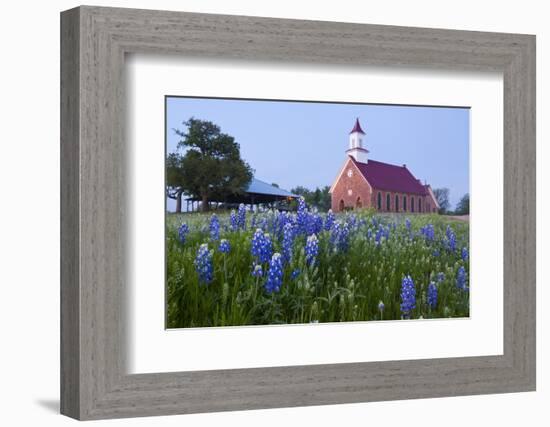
260,187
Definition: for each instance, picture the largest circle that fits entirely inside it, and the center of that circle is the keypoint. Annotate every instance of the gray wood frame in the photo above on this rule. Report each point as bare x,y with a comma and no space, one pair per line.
94,41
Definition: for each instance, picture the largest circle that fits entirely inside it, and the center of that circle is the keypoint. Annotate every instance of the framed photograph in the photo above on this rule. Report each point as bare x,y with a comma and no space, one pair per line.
262,213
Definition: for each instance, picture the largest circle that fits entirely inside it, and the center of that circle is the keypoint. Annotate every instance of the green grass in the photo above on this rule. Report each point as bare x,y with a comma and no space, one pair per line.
343,286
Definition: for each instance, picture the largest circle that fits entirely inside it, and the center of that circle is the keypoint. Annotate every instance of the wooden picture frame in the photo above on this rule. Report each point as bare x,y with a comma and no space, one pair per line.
94,382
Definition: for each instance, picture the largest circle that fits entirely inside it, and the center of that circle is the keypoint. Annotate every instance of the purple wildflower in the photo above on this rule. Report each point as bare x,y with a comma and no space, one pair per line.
225,246
203,264
408,297
312,249
183,230
241,217
432,295
214,227
275,274
461,278
329,220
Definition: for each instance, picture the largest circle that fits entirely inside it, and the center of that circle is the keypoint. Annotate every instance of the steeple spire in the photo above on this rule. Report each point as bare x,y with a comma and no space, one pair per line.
356,148
357,127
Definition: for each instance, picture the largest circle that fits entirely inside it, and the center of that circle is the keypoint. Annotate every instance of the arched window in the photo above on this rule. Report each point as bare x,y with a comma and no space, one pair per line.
405,203
412,204
379,201
396,203
341,206
420,205
388,202
359,203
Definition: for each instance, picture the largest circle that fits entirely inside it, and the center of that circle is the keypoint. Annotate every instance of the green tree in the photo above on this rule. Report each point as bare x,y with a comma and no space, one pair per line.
442,197
319,198
212,166
325,199
174,178
463,206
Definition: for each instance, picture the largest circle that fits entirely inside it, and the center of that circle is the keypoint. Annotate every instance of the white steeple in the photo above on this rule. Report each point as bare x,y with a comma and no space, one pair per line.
356,149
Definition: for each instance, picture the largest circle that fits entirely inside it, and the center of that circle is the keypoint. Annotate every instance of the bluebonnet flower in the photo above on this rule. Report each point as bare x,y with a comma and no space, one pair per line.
314,223
352,221
408,224
275,274
379,234
329,220
408,296
334,233
451,238
263,223
288,242
465,254
440,277
339,236
301,215
241,217
233,221
369,234
432,295
312,249
280,222
257,270
225,246
257,243
267,249
183,230
435,252
214,227
381,307
295,273
203,264
261,246
461,278
343,237
428,232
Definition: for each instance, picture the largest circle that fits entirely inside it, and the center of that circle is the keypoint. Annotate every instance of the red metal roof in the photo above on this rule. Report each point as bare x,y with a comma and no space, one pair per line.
357,127
383,176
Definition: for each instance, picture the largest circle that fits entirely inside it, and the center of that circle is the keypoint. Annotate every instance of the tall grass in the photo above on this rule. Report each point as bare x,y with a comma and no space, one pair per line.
343,284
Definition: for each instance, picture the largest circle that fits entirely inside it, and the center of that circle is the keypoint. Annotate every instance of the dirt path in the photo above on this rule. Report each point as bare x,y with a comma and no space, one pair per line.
464,218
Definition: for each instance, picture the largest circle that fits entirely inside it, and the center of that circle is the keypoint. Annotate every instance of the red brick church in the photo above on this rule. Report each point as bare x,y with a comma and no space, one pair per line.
364,183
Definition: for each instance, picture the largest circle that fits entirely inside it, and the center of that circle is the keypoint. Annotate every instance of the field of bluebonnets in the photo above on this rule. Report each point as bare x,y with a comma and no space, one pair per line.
271,267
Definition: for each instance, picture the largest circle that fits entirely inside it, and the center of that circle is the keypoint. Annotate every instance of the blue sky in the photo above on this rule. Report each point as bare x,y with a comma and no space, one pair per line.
300,143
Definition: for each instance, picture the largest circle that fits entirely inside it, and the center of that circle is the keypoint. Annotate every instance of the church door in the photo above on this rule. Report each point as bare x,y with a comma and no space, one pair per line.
359,203
341,206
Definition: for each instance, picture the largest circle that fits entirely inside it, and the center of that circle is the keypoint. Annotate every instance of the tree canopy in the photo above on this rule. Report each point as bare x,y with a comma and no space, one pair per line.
463,206
320,197
442,197
211,166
